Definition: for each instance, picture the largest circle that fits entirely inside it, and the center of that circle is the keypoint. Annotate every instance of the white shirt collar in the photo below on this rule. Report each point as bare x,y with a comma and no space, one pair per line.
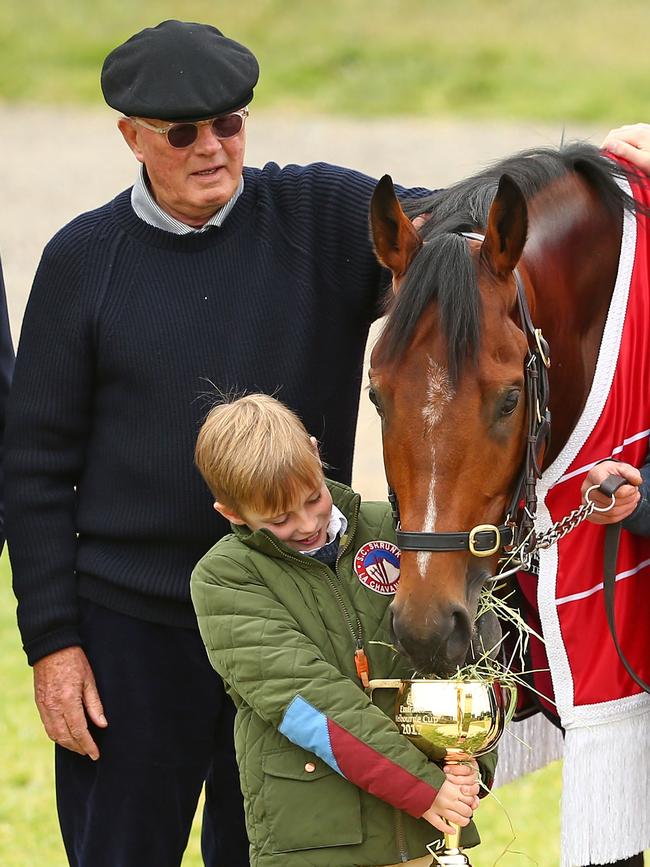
148,209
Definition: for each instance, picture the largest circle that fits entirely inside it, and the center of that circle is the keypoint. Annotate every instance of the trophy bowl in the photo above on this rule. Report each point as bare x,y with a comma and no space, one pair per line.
451,721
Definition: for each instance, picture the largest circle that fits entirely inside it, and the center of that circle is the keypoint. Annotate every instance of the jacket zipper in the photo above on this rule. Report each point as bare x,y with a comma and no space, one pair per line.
360,658
400,837
361,662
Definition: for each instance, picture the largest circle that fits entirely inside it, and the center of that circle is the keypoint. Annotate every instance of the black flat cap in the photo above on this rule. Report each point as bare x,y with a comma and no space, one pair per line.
179,70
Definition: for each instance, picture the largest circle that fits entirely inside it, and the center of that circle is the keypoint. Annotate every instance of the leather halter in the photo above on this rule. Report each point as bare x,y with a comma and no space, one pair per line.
517,531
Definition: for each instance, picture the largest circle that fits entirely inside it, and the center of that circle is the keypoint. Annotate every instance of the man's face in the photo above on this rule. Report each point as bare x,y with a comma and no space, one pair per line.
188,183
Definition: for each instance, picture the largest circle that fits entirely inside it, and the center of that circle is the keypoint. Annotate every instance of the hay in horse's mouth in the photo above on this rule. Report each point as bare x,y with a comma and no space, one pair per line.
487,636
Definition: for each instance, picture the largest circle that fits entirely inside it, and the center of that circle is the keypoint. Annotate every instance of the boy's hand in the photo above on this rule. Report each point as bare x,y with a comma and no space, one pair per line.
625,499
451,805
465,775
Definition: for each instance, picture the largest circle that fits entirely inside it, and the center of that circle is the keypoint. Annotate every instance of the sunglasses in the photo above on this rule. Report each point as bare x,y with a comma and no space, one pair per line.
182,135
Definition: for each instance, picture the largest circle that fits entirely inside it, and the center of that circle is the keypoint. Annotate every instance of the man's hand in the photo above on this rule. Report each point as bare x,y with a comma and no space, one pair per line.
632,143
65,691
451,805
625,499
421,220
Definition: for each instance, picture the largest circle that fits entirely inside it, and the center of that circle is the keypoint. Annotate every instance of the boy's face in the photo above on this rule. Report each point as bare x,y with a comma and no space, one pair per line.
303,529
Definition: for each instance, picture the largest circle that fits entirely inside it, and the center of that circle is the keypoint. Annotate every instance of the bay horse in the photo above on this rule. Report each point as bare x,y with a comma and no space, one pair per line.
448,373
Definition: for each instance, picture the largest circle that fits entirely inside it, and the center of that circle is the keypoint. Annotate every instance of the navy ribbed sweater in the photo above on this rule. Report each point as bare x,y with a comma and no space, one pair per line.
126,331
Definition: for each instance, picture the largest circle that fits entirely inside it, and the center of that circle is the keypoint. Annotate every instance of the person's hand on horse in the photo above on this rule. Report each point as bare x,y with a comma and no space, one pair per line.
625,499
421,220
65,691
451,805
632,143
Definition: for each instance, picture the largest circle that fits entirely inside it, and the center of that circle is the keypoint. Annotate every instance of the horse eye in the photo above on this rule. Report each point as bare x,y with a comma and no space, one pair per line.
510,402
374,399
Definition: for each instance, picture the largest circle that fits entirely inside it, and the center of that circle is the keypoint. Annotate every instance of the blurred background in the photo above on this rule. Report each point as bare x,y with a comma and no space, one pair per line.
425,90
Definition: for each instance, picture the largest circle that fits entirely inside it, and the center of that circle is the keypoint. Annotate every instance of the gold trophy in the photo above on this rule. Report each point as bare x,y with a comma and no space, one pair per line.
451,721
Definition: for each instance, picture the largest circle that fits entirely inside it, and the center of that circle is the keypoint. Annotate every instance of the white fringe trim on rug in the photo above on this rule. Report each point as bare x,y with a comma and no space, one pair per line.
606,783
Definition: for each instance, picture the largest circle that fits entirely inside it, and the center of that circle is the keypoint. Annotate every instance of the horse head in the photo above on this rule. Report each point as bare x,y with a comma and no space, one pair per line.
447,379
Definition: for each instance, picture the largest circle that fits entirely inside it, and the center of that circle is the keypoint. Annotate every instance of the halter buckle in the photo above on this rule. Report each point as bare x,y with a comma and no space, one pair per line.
543,350
483,528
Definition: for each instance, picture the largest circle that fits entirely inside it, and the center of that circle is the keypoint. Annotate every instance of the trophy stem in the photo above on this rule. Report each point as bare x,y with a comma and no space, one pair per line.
452,841
453,856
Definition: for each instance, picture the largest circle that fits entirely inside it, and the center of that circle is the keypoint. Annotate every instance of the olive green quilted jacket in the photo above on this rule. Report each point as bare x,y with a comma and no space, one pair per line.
327,779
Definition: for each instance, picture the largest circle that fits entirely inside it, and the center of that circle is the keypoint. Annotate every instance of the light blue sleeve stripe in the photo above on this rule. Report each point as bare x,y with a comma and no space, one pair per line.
307,727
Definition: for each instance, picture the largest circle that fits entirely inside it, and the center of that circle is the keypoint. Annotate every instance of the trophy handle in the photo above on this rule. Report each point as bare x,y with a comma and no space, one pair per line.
512,704
389,683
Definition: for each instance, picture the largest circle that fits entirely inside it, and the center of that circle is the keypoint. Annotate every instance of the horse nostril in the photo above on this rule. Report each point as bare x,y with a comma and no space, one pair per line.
459,636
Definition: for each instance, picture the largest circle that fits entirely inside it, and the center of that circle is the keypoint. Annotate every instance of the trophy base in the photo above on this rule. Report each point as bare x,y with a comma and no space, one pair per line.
450,858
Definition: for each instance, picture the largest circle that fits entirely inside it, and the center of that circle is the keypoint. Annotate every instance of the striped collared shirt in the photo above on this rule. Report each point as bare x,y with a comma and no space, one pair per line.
146,207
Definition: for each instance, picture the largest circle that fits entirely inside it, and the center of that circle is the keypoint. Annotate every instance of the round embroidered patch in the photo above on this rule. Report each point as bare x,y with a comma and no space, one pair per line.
377,566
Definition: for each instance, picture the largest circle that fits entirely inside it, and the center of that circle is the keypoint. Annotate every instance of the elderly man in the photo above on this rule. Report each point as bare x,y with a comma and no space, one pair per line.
204,274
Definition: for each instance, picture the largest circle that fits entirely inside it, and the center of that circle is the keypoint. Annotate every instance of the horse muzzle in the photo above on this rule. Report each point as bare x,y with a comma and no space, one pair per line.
437,643
440,640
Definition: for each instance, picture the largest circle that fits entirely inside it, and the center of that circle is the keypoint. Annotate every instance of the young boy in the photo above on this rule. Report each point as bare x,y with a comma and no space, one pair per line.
290,608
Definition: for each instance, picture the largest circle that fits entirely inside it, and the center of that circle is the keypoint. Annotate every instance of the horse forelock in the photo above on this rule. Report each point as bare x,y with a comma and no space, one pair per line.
443,272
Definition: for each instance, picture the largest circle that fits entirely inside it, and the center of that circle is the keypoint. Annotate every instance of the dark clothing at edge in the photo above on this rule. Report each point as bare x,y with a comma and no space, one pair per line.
138,801
6,371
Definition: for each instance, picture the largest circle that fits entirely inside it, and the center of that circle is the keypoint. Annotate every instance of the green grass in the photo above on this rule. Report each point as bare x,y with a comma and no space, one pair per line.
29,834
581,60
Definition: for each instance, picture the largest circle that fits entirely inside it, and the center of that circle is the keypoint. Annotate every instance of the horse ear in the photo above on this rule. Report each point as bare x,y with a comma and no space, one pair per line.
395,239
507,227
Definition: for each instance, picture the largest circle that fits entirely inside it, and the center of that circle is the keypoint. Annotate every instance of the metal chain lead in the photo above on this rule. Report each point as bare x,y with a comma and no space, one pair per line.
564,526
553,535
560,528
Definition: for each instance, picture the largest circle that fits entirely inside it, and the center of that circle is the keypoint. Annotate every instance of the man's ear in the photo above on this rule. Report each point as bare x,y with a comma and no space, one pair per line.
130,135
228,514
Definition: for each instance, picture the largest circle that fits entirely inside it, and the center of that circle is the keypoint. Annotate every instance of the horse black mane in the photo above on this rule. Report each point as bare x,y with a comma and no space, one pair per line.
443,269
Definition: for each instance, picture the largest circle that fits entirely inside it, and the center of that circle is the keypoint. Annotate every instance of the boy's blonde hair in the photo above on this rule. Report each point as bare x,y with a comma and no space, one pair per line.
255,454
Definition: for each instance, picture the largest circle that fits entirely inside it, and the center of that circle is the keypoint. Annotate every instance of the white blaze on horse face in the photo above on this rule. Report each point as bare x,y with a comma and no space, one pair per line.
439,393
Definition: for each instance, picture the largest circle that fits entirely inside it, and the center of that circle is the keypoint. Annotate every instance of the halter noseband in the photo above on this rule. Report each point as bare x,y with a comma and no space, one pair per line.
517,531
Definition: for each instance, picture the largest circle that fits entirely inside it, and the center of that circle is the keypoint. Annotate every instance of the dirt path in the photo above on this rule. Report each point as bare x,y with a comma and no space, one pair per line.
57,163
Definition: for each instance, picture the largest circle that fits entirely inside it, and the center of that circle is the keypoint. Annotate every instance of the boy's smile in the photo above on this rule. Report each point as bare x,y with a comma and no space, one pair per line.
304,528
